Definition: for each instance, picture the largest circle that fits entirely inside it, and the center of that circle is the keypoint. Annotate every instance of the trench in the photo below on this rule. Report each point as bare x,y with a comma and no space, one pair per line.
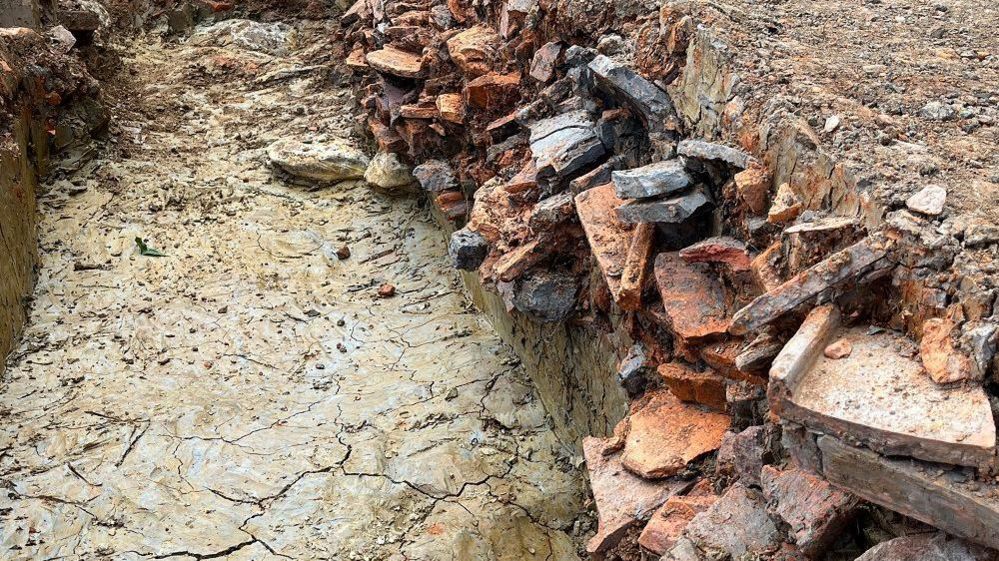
251,395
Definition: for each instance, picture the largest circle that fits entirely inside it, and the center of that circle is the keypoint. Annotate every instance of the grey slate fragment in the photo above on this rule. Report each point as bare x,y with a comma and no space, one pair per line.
702,150
635,371
546,127
552,211
467,249
674,210
545,295
660,178
646,98
435,176
566,151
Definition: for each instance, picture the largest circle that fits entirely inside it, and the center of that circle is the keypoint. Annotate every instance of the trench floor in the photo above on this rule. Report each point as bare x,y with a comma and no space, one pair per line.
249,396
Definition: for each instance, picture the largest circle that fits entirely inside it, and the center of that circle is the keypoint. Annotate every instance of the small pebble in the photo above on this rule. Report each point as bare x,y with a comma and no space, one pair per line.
840,349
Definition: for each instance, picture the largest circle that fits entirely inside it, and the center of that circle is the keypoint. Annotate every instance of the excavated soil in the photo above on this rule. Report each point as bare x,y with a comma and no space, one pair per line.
250,396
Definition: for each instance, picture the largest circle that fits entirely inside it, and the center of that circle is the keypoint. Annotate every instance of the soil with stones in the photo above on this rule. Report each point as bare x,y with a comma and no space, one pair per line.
250,395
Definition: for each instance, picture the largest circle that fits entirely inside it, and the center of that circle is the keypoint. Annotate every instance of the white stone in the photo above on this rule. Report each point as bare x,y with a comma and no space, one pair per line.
929,201
320,161
387,171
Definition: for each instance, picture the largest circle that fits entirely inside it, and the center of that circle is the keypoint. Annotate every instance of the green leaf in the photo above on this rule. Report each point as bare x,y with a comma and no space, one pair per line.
146,250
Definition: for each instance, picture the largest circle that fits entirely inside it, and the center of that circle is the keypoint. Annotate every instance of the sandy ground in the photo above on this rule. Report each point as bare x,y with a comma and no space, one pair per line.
249,396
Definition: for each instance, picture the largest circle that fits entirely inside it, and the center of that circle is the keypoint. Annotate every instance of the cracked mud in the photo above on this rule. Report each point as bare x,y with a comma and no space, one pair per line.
250,396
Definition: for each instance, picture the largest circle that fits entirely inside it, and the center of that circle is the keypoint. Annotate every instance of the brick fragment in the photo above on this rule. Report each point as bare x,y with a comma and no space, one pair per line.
636,266
451,107
623,500
474,50
693,299
667,524
687,384
396,62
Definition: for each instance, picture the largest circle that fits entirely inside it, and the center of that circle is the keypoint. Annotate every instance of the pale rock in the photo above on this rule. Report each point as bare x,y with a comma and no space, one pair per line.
328,161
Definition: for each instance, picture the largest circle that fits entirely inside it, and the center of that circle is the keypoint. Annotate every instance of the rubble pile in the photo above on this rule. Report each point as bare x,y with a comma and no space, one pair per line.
792,358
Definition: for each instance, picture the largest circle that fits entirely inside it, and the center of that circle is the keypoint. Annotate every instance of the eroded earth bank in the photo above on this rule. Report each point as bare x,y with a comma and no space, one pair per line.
256,394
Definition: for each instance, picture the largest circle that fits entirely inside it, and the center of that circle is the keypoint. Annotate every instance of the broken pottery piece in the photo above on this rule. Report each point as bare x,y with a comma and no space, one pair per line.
666,435
704,387
879,395
623,500
693,298
815,511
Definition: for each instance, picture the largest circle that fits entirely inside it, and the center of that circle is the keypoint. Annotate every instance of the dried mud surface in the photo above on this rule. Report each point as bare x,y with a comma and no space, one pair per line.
250,396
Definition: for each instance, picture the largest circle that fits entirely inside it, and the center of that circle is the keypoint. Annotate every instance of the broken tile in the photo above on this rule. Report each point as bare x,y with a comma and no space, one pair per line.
652,180
396,62
704,387
815,511
666,435
843,266
723,250
670,210
667,524
622,499
693,298
879,396
757,356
